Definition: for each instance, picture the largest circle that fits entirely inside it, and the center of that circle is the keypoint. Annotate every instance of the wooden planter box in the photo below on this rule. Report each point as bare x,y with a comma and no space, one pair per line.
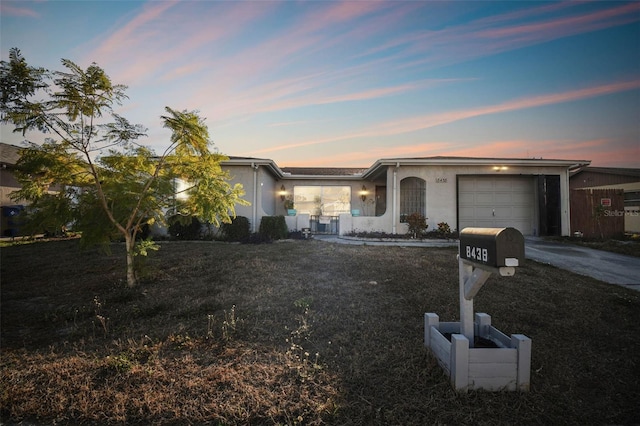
507,367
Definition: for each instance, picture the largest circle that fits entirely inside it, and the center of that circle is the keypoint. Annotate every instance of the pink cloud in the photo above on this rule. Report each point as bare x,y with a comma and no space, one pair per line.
336,13
289,123
562,27
167,44
621,157
131,32
480,38
422,122
287,52
304,90
292,44
427,121
9,9
597,150
375,93
185,70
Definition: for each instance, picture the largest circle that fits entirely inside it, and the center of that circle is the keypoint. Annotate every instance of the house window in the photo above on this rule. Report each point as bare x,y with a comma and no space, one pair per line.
632,199
322,200
412,197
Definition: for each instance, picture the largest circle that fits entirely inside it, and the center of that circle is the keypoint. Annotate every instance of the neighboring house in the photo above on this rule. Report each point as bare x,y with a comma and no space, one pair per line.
623,180
9,209
531,195
9,155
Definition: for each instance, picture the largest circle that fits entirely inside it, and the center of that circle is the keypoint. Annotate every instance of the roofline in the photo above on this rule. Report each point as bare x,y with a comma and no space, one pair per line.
468,161
627,171
289,176
279,173
571,165
254,163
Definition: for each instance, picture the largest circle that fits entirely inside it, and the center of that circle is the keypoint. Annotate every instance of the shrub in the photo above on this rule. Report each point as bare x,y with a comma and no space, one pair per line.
444,228
237,230
257,238
297,235
417,224
184,227
274,227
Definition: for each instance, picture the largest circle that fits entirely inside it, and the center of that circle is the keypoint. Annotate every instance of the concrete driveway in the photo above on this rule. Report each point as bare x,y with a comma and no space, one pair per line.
602,265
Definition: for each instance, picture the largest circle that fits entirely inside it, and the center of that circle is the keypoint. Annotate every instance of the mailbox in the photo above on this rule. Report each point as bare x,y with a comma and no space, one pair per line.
494,247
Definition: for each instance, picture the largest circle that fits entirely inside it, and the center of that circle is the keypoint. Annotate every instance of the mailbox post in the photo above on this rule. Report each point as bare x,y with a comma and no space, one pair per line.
484,251
507,366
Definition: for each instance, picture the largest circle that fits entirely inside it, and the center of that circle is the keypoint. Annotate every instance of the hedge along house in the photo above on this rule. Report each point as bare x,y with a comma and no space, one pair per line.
531,195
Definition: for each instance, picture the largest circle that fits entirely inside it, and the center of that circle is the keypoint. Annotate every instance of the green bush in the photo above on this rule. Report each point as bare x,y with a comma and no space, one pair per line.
274,227
237,230
185,227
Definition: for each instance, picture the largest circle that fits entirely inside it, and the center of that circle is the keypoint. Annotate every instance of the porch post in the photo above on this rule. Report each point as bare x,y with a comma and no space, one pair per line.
254,212
394,209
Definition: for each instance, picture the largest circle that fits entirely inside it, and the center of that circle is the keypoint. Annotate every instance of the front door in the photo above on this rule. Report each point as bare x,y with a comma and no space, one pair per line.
381,200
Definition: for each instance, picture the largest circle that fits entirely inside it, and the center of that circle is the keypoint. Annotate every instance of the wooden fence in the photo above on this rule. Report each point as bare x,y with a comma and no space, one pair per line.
597,213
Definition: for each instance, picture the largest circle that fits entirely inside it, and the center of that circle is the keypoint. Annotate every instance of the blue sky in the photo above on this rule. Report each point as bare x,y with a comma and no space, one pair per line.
332,83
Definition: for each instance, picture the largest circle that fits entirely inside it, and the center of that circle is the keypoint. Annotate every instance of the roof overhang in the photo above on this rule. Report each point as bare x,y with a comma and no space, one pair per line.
255,163
381,166
290,176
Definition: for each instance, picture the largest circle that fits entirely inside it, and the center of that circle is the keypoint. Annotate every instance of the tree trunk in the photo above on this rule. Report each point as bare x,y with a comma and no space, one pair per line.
130,244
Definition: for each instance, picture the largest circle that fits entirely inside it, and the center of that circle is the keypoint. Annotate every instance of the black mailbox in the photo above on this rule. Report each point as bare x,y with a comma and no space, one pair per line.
495,247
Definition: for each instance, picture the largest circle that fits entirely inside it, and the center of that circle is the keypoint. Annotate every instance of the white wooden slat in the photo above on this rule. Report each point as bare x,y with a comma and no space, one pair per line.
498,336
492,384
493,355
449,327
441,348
459,362
495,370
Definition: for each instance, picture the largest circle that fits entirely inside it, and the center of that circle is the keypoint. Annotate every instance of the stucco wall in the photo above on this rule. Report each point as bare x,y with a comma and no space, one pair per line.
263,191
441,192
260,191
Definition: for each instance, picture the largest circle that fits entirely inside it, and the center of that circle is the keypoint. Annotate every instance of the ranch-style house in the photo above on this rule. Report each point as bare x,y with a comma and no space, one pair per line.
531,195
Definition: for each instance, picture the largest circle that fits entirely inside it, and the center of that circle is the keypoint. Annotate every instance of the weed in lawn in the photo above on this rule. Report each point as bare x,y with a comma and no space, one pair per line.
100,316
298,357
180,341
210,323
230,324
119,363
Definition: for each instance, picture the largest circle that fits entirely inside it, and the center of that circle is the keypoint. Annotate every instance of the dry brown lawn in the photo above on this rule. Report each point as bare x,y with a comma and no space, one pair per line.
297,332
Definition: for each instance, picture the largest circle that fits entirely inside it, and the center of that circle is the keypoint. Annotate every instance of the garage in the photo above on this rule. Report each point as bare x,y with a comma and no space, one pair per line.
497,202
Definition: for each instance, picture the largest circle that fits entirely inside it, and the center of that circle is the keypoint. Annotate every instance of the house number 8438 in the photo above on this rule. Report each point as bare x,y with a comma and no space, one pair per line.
477,253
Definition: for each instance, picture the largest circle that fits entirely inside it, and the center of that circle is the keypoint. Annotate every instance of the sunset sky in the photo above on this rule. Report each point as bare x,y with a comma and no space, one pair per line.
331,83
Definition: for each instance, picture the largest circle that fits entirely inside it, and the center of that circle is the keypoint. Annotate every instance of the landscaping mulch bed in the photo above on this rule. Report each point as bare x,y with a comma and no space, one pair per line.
296,332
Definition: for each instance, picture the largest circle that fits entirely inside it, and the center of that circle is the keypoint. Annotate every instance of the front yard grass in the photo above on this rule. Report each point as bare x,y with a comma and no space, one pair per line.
296,332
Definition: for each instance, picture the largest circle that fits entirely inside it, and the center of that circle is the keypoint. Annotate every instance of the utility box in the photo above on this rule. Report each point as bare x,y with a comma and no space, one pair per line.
493,247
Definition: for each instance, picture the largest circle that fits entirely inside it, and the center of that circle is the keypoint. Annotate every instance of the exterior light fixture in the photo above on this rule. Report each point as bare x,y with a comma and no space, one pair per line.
363,194
283,192
500,168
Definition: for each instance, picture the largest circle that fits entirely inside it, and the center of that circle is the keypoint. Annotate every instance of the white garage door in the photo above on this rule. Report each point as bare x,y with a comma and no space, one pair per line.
496,202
